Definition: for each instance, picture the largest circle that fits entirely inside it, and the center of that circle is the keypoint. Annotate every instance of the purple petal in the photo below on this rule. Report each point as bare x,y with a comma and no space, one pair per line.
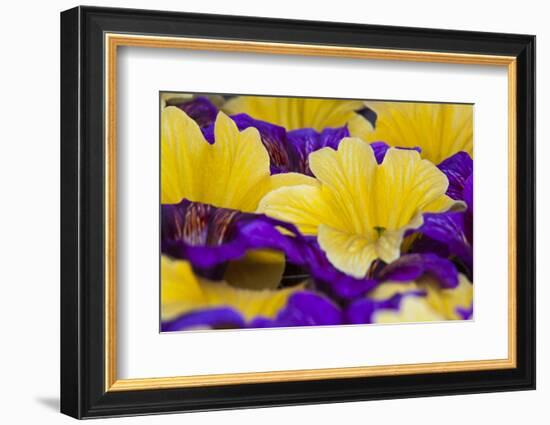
201,110
468,193
469,213
329,279
446,237
213,318
458,168
303,141
380,149
208,236
465,313
304,309
411,267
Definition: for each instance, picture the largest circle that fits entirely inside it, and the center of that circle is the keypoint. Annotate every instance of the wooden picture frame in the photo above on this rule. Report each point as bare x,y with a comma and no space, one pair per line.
90,39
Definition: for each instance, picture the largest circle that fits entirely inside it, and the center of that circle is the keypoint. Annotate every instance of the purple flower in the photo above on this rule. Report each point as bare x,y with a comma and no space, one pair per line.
303,308
410,267
273,138
211,318
458,168
201,110
362,310
446,235
208,236
303,141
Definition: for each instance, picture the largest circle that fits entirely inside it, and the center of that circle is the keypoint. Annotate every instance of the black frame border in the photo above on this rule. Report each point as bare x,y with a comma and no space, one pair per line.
82,212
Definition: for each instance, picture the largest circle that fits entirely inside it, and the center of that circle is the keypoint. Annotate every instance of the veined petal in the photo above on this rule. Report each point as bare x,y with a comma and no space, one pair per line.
412,309
422,300
182,292
411,267
360,210
182,148
347,177
304,141
457,168
209,236
233,172
440,130
294,113
351,253
301,205
406,185
200,109
304,308
237,185
272,136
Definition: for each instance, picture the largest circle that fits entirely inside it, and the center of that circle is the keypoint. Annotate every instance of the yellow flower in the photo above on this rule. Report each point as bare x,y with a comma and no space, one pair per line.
294,113
232,173
358,209
183,292
438,304
440,130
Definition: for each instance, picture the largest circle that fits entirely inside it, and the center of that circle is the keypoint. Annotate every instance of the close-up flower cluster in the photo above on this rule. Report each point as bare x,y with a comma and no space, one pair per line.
280,212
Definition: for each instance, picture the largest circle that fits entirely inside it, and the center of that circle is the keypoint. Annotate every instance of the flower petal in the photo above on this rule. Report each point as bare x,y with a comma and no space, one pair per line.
440,130
182,147
200,109
294,113
448,230
304,141
414,266
304,309
457,168
182,292
350,253
208,236
301,205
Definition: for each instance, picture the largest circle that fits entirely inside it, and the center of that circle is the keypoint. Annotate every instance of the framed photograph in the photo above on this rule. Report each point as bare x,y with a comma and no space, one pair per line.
261,212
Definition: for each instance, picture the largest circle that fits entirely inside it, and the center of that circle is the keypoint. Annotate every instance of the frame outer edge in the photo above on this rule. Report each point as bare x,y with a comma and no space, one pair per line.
71,349
81,395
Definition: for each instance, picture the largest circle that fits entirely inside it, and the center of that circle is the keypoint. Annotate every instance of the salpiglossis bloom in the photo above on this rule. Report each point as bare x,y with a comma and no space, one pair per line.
439,130
183,292
299,113
424,301
359,209
233,172
191,302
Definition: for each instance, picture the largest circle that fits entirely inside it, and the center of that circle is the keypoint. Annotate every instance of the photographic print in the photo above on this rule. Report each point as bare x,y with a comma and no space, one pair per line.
285,211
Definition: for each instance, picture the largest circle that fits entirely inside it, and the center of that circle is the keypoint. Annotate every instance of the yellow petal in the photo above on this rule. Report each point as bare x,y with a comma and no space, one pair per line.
180,289
438,304
182,148
350,253
302,205
389,289
405,186
347,176
183,292
236,170
446,301
294,113
290,179
258,269
440,130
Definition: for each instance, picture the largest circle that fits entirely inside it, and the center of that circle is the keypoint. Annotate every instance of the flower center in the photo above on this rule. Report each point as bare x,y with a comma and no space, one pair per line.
379,230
